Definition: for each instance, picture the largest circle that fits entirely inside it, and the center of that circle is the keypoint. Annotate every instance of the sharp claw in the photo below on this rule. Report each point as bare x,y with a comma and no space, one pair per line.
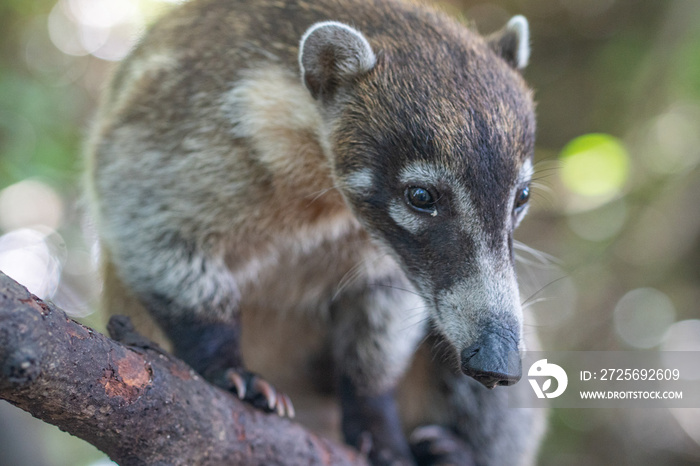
425,433
288,405
268,392
280,406
365,445
239,383
441,447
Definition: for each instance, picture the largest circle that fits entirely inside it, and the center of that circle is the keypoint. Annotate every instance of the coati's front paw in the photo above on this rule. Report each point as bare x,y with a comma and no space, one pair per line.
379,455
256,391
385,457
435,445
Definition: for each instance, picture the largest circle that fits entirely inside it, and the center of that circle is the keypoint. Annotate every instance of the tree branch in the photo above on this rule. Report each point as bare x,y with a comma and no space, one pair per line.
135,403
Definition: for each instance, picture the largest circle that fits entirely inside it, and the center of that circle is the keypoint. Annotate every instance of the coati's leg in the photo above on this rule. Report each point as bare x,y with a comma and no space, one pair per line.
191,294
213,348
456,420
375,331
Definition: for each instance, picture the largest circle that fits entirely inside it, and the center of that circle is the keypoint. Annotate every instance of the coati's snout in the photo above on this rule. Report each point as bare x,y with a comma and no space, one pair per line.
481,318
493,359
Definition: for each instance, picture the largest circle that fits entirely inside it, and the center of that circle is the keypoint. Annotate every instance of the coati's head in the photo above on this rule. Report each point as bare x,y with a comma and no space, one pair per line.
431,134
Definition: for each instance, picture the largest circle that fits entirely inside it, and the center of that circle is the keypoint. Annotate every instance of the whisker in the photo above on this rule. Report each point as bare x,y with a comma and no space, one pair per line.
394,287
535,301
547,165
535,184
543,257
355,272
319,194
536,326
421,321
443,354
542,174
525,303
537,265
417,308
350,276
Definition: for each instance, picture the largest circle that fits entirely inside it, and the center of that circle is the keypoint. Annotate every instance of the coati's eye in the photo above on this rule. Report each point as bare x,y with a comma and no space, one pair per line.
420,199
522,197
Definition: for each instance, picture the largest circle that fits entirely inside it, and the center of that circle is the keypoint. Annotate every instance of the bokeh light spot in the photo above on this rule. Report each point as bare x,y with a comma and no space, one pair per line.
599,224
29,256
594,165
642,317
689,420
670,142
29,203
106,29
683,336
102,13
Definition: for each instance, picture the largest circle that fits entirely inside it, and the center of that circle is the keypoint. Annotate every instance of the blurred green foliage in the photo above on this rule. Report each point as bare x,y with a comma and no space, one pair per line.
41,119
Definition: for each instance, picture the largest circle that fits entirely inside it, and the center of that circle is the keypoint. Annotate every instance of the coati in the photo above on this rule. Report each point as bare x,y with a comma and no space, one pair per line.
311,197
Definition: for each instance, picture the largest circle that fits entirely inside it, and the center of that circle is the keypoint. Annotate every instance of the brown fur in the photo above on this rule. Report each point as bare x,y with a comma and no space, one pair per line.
220,188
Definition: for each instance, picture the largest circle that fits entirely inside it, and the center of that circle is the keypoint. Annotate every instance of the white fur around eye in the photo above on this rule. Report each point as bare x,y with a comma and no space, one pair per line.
526,171
359,182
421,174
405,218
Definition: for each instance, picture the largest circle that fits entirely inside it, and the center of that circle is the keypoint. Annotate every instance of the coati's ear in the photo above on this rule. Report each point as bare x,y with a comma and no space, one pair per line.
331,54
513,42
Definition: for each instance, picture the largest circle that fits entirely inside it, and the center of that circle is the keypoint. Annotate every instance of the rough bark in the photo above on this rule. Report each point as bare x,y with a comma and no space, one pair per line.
135,403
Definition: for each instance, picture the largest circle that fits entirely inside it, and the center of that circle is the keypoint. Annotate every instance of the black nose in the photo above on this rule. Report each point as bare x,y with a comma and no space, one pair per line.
493,360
